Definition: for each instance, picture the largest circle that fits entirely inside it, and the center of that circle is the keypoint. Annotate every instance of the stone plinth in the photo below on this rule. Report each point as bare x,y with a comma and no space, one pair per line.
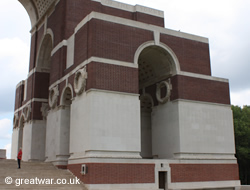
2,154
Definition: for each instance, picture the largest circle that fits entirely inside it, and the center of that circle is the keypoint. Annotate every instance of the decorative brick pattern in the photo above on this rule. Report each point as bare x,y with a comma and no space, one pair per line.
109,173
192,55
203,172
42,6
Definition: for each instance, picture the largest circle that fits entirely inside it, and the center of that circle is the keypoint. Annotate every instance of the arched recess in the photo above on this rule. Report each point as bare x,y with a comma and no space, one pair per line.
156,63
66,97
65,102
44,53
31,10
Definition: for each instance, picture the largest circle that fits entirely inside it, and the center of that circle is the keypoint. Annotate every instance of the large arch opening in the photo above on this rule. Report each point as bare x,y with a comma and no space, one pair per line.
156,66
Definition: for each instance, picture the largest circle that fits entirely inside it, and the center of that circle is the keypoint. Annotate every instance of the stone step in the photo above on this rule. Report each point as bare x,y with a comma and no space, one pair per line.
34,171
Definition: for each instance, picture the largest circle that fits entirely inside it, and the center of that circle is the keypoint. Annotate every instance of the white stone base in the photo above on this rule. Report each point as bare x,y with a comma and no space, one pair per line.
226,185
218,185
34,141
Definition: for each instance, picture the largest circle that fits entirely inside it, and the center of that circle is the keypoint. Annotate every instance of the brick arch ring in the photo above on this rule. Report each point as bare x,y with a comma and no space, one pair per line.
175,66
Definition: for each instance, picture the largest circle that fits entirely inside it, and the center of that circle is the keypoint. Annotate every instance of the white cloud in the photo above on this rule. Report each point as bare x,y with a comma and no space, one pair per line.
8,150
6,129
241,98
14,58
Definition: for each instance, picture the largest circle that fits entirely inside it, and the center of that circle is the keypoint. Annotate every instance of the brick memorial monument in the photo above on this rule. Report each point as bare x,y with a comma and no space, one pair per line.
121,101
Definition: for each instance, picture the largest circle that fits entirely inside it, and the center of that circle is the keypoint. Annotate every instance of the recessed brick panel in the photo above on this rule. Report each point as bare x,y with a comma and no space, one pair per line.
109,173
193,55
203,172
112,77
41,85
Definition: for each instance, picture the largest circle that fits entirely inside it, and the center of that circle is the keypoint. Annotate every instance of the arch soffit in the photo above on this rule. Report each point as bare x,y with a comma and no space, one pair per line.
49,33
68,86
176,65
31,10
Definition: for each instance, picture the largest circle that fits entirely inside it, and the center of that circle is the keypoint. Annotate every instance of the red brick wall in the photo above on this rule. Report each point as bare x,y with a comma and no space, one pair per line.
142,17
56,22
19,96
193,56
81,45
109,173
115,41
196,89
33,51
189,88
41,85
203,172
112,77
69,13
58,64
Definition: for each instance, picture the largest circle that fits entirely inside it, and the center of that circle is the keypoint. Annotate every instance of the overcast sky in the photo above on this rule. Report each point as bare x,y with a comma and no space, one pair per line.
225,22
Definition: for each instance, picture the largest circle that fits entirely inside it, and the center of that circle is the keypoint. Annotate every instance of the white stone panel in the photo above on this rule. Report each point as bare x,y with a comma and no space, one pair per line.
70,51
105,124
165,130
26,145
57,135
52,137
33,145
14,144
206,129
64,133
38,140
